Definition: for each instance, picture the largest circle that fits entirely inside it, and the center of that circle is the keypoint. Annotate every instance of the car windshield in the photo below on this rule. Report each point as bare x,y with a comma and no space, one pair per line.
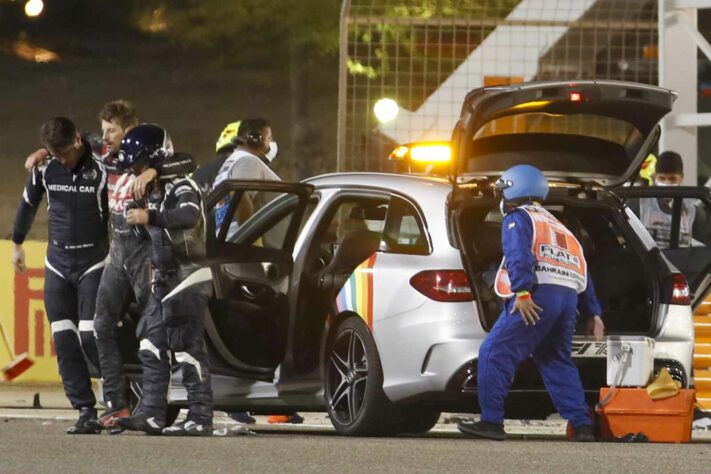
574,144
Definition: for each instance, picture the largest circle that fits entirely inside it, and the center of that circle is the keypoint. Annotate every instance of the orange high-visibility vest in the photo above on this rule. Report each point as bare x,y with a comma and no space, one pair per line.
559,255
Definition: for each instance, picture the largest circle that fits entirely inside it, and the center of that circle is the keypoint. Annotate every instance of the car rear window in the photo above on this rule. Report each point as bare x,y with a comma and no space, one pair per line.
595,126
568,143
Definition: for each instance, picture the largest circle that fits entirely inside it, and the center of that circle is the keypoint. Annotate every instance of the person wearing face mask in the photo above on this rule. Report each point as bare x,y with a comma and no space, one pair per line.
250,160
656,213
255,150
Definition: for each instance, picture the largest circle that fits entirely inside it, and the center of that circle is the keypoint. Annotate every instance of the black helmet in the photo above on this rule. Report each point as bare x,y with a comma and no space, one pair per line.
147,143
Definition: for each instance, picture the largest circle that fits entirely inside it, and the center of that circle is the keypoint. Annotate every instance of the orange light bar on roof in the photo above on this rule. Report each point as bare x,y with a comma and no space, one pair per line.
423,153
431,153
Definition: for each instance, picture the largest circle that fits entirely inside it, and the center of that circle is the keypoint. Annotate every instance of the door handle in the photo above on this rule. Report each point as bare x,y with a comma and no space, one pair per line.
249,293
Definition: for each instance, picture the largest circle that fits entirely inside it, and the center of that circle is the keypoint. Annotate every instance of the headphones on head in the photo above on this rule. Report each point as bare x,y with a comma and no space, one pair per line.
253,138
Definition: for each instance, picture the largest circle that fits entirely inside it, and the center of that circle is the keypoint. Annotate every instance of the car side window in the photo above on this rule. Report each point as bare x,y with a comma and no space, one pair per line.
661,216
356,222
404,230
268,225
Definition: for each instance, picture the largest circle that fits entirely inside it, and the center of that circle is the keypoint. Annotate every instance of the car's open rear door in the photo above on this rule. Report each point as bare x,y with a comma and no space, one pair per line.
691,256
250,256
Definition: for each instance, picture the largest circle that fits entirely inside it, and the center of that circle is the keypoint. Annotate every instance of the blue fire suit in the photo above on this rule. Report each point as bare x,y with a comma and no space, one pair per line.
549,342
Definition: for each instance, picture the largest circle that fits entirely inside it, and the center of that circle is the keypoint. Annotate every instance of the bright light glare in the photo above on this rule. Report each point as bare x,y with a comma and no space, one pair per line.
576,96
399,153
34,8
431,153
386,110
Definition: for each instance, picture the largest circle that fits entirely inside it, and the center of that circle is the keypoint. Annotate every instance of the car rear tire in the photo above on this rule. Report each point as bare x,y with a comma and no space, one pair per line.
417,421
353,383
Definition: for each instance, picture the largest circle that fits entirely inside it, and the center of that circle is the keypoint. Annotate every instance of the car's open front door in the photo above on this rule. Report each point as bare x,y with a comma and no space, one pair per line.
249,251
689,237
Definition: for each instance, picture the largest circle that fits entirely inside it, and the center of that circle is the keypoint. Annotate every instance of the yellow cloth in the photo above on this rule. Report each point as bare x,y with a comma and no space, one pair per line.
663,386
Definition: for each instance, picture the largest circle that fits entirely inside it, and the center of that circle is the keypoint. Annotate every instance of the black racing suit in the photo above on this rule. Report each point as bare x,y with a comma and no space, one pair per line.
174,320
127,273
76,254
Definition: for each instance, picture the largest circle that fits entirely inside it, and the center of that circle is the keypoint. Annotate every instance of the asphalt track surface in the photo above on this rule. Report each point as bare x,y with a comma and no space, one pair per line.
39,446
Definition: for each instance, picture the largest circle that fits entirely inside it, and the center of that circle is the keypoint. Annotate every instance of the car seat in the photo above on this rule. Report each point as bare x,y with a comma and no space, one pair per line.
356,245
352,250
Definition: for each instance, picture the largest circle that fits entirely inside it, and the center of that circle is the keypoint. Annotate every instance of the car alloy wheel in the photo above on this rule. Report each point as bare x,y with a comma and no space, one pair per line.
347,376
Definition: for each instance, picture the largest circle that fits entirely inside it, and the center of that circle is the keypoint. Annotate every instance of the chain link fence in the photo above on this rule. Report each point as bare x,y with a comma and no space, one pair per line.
427,54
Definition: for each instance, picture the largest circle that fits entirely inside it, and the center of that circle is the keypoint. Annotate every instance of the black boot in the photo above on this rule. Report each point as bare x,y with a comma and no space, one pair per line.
84,424
140,422
584,434
190,427
483,429
242,417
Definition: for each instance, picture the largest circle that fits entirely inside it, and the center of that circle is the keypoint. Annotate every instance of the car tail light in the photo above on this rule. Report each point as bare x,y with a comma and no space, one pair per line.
443,285
576,96
680,290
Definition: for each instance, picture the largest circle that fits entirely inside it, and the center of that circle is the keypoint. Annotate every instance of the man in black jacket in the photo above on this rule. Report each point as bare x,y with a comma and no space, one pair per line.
175,316
75,183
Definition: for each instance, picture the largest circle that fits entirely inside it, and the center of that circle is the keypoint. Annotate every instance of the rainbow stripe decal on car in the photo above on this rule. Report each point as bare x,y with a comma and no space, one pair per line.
357,293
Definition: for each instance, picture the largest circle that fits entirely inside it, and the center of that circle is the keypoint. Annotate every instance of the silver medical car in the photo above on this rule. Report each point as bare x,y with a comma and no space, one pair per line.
368,295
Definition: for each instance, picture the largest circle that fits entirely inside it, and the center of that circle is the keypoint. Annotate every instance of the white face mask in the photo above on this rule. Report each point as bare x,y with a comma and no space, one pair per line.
273,150
657,183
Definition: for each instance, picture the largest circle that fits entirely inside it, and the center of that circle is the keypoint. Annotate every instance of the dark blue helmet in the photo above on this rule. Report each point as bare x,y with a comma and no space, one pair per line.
146,144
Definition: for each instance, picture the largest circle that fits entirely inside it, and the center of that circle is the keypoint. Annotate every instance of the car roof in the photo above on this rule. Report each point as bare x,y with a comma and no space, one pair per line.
419,187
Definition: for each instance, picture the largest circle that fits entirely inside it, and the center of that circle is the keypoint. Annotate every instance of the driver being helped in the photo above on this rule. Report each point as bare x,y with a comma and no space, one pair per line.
544,280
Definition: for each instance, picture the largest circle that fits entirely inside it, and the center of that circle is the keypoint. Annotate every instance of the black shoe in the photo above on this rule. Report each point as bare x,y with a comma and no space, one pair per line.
483,429
83,425
584,434
189,427
295,419
140,422
107,420
242,417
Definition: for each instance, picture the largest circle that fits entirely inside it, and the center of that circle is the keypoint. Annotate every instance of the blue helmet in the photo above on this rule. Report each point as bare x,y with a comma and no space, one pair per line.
144,144
523,182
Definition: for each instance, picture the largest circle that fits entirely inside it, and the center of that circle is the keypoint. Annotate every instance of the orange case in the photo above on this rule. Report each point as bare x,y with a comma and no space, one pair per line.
630,410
